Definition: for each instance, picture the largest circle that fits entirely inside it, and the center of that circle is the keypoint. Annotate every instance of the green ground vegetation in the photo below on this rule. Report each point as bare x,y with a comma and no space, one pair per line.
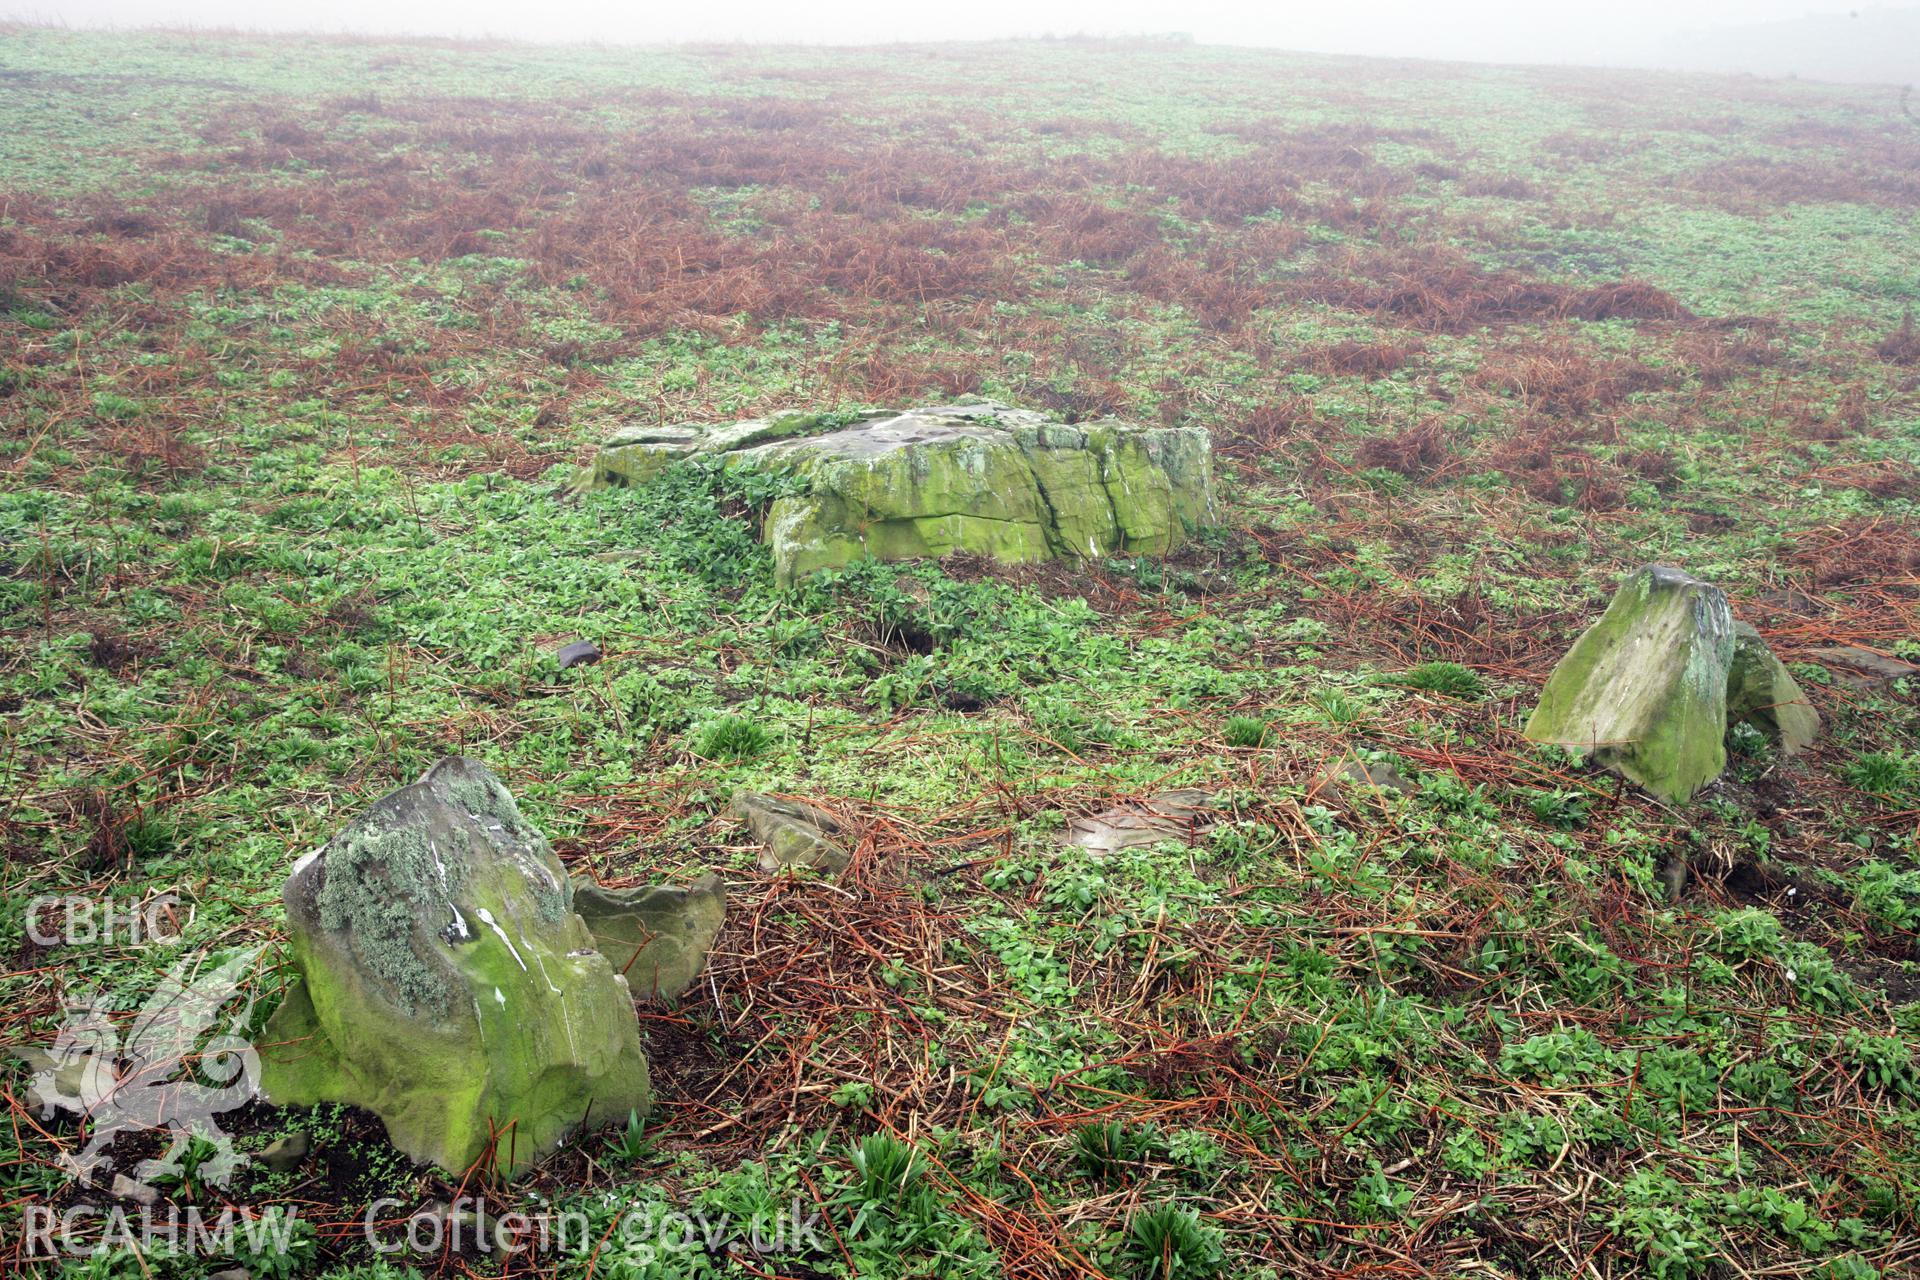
303,345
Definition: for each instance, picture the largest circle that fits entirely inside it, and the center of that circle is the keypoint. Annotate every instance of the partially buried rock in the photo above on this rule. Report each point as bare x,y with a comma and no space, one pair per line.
1171,815
1651,688
656,936
1865,668
580,653
446,984
792,834
283,1155
1645,689
1762,691
1339,785
140,1193
979,477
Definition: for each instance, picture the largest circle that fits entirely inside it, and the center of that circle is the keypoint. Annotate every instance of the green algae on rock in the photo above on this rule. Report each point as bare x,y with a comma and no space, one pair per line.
1763,692
446,984
978,477
1645,688
656,936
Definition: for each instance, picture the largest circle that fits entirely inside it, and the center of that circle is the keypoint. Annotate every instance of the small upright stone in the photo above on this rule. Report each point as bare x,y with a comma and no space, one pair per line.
1645,689
446,985
283,1155
656,936
1763,692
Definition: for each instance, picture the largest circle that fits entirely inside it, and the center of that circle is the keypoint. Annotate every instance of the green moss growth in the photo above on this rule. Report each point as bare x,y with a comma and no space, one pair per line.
982,479
1645,688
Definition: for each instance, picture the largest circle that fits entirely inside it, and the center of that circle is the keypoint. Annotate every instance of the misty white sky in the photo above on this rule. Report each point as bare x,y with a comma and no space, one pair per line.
1476,30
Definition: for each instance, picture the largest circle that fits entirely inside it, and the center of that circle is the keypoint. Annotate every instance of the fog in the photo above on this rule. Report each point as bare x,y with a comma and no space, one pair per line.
1774,37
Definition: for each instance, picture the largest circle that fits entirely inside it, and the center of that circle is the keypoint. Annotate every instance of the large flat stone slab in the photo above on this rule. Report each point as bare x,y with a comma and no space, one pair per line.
1864,668
978,477
791,834
1184,816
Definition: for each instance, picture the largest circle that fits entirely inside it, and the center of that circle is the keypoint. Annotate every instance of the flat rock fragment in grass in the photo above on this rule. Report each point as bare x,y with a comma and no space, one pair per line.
1645,689
1865,668
1342,785
1171,815
447,985
791,834
979,477
580,653
656,936
1762,691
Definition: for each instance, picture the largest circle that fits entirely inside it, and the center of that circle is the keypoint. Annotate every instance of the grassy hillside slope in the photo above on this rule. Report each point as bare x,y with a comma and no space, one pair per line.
301,343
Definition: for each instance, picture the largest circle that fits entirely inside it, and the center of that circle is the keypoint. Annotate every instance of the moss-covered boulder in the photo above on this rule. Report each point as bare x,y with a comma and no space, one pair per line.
1645,689
447,985
655,936
979,477
1762,692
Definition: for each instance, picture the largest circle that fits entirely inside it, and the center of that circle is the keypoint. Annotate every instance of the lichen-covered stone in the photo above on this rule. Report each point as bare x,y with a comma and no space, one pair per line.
446,984
980,477
1645,689
791,834
656,936
1763,692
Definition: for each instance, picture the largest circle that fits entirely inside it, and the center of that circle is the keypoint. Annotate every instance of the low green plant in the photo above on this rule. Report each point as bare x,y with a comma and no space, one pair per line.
631,1143
1171,1242
1889,895
1105,1150
1449,678
377,1270
278,1245
885,1168
1340,708
1247,731
1883,773
1564,810
194,1156
105,1264
1671,1225
731,738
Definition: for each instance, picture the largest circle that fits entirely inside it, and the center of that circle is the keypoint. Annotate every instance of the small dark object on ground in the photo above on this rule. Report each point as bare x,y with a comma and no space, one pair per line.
580,653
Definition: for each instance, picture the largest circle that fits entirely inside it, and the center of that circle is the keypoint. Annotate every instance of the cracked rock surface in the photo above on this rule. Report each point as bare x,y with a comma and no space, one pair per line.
978,477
